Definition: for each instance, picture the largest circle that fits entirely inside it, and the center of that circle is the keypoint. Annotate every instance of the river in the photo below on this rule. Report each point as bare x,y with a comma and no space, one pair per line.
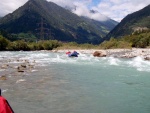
59,84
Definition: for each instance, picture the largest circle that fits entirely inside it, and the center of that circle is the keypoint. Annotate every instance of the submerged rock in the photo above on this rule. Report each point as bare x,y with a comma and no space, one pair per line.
20,69
3,77
31,66
23,65
5,66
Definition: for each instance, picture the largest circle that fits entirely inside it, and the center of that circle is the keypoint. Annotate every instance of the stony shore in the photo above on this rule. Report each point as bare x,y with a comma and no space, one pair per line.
120,53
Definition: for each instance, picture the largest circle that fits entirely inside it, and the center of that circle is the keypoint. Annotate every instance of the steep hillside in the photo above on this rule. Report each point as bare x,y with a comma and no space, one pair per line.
104,26
136,21
62,24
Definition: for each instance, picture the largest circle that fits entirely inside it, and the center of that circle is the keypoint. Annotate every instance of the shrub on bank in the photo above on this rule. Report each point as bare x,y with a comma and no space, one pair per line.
137,40
3,43
115,43
26,46
44,45
18,45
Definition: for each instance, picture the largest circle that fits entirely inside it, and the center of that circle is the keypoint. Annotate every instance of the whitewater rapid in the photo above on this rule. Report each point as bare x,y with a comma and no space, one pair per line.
43,58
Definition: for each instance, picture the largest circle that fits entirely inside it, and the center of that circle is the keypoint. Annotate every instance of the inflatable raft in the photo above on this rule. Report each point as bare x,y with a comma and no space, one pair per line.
72,54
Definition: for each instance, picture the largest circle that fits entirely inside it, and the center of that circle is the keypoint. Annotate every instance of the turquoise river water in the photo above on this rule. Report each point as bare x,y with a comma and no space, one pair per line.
59,84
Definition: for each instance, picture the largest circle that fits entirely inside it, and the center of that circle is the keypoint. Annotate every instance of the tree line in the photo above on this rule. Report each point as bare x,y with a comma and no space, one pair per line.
18,45
137,40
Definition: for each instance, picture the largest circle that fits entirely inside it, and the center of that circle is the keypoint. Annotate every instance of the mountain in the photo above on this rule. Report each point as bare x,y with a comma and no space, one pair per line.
62,24
136,21
108,23
104,26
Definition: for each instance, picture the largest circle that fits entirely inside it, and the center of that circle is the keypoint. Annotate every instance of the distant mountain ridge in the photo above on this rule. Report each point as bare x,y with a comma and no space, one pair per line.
132,22
92,12
63,24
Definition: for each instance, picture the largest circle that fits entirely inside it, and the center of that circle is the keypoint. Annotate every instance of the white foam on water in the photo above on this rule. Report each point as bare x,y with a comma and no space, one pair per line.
4,90
46,58
20,80
88,59
140,64
34,70
57,59
84,57
37,56
2,69
14,62
113,61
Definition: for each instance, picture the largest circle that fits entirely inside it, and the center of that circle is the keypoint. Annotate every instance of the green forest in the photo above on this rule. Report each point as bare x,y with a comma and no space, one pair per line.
138,39
28,42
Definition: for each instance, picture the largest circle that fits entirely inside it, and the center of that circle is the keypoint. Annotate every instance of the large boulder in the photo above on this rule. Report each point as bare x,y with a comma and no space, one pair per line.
147,58
99,54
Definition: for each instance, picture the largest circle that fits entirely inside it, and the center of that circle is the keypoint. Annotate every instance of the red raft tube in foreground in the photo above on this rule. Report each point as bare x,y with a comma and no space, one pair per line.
4,105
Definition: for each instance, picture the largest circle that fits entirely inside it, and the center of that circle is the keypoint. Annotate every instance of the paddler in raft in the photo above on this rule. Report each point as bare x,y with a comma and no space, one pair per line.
73,54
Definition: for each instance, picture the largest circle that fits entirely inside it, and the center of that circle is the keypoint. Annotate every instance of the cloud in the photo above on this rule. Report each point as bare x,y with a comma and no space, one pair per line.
63,2
7,6
118,9
115,9
81,8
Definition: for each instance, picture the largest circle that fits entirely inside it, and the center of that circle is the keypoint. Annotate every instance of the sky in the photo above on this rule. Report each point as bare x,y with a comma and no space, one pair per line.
114,9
